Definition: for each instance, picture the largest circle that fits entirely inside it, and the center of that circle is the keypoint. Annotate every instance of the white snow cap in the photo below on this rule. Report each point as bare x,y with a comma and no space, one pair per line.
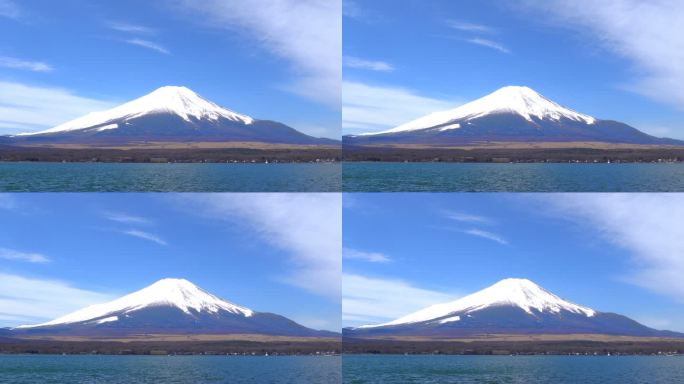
521,293
180,101
179,293
520,100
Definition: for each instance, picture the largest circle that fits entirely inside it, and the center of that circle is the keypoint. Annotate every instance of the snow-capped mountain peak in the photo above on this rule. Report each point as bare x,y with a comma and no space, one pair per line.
178,293
521,293
527,103
186,103
519,100
180,101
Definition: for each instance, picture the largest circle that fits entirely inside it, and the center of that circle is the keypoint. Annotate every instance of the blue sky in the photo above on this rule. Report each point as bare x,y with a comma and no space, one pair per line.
60,252
270,60
617,60
612,252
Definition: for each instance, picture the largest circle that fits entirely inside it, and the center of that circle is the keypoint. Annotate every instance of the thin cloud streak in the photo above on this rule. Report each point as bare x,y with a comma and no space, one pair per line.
145,236
468,218
34,66
470,27
149,45
125,218
29,257
371,257
486,235
131,28
358,63
489,44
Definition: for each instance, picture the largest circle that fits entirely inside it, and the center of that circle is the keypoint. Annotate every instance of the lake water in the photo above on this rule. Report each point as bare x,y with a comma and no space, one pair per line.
19,369
537,177
117,177
386,369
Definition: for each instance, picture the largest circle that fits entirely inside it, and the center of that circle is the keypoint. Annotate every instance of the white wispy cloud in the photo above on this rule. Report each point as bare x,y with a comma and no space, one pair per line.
125,218
131,28
373,65
145,236
647,226
371,300
467,217
489,44
372,257
647,33
306,33
26,108
470,27
15,63
30,257
30,300
9,9
486,235
135,30
367,108
149,45
308,226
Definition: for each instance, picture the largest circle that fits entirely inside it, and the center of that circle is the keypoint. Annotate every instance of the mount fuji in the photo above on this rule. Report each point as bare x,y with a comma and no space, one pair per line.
511,306
169,306
510,114
168,114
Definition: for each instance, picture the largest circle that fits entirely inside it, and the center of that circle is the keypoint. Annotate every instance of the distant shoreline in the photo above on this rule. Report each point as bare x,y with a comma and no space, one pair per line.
201,346
172,154
517,153
572,345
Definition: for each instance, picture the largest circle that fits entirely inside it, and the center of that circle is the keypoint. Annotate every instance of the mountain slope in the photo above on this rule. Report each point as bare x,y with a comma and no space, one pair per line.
510,114
170,114
511,306
169,306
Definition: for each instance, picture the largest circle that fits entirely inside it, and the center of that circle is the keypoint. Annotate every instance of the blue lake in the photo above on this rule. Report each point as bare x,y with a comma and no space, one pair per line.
520,177
118,177
20,369
386,369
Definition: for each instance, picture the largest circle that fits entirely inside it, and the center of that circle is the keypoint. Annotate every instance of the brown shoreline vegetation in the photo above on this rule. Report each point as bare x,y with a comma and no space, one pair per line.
518,345
175,153
175,345
501,152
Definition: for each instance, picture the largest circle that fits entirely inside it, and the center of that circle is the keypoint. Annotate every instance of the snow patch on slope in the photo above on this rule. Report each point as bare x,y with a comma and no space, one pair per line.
519,100
180,101
449,127
450,319
107,127
521,293
107,320
179,293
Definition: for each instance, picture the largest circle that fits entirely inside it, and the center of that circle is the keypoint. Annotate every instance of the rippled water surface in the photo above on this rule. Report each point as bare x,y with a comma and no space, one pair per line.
117,177
376,369
169,369
537,177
